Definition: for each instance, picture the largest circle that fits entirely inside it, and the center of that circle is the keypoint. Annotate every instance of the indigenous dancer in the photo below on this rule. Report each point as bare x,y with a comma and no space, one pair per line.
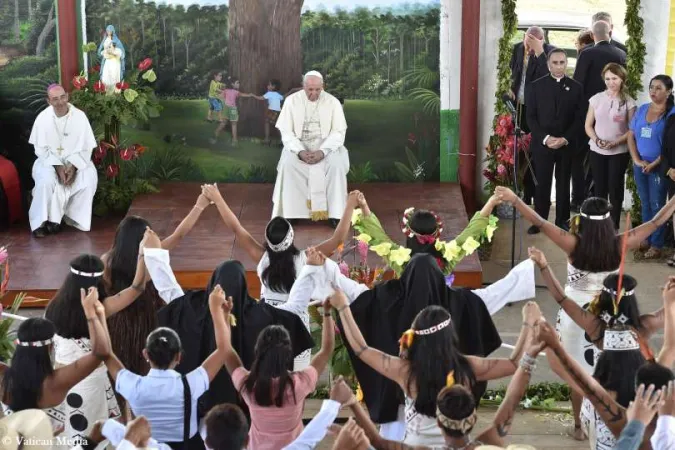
586,266
279,261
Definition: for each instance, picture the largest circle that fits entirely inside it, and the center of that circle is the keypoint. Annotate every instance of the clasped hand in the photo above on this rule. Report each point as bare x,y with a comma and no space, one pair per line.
66,175
311,156
555,142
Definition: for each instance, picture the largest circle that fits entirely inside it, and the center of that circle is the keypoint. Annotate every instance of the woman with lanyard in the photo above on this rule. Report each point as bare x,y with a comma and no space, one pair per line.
645,140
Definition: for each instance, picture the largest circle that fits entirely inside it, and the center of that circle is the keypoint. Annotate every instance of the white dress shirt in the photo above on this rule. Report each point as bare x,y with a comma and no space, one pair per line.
157,262
316,430
664,435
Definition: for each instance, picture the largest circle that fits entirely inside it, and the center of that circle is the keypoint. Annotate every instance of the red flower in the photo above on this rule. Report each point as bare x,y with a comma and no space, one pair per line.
112,170
122,85
501,170
412,137
100,152
145,64
138,149
99,86
487,173
96,68
127,154
80,83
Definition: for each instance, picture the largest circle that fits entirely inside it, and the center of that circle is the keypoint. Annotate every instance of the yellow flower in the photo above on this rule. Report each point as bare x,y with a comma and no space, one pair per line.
359,394
382,249
356,215
400,256
489,232
439,245
363,237
470,245
451,251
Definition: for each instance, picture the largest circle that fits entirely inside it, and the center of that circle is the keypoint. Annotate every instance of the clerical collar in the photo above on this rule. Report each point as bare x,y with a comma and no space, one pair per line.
557,79
70,109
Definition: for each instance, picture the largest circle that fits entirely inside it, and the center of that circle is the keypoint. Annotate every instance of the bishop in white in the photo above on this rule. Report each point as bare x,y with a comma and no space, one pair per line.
312,171
65,177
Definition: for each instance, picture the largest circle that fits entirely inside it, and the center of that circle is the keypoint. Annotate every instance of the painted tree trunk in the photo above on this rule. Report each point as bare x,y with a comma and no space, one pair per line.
17,23
264,44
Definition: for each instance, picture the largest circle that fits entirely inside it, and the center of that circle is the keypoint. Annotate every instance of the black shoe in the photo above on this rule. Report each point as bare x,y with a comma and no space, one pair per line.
53,228
40,232
293,222
564,226
533,230
333,223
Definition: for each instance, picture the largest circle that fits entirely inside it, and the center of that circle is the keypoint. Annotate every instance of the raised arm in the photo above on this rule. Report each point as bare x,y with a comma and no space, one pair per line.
231,358
585,319
187,223
301,292
667,355
563,239
116,303
495,368
220,308
56,387
252,247
501,424
320,360
613,414
342,230
389,366
637,235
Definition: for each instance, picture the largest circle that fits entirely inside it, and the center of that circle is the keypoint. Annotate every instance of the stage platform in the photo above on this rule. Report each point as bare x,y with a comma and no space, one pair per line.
39,266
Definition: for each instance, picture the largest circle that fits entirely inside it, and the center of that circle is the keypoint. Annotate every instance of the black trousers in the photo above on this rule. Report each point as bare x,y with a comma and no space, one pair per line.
582,177
547,160
528,179
608,178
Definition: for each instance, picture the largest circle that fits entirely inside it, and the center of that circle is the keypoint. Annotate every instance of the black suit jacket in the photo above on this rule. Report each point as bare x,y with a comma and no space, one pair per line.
619,45
554,108
537,67
591,61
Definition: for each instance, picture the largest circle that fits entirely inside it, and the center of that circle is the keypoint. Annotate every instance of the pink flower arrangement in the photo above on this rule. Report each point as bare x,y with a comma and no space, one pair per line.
501,155
362,248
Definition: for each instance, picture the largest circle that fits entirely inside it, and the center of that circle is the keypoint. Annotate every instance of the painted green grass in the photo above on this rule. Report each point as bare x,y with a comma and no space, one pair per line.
378,132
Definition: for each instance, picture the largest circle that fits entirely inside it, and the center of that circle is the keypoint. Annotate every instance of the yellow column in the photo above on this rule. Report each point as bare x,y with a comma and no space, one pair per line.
670,52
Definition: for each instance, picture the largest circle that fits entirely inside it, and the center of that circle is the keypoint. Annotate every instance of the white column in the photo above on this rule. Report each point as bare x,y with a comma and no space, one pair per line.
491,31
83,15
656,16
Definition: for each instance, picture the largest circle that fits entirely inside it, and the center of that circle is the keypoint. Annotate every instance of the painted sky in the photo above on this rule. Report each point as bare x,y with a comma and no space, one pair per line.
317,4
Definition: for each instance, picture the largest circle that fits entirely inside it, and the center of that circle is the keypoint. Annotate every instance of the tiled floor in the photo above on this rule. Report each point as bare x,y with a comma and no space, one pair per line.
40,265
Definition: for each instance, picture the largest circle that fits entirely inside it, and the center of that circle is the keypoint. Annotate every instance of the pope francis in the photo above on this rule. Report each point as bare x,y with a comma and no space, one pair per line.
312,171
65,177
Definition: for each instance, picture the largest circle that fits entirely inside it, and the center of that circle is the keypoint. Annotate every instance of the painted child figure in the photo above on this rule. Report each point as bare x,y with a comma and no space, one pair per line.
215,103
230,95
274,99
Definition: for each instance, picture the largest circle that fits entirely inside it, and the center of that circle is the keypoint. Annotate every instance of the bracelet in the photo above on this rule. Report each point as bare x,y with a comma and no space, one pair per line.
543,268
528,364
528,359
138,288
563,299
327,315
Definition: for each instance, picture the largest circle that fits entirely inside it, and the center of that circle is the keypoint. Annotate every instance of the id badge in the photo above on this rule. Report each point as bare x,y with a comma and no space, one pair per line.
618,118
646,132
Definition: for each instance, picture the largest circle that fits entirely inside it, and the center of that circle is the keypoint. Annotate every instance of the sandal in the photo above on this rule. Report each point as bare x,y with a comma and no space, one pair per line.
644,246
671,261
577,433
652,253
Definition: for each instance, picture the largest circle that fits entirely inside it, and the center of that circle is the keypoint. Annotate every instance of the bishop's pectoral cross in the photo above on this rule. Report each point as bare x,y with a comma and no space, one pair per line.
60,149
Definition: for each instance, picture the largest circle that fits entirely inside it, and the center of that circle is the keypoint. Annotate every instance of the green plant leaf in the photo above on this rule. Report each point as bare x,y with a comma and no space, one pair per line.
150,76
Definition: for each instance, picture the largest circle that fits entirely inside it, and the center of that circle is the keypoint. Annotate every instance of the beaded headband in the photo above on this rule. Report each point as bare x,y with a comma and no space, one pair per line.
423,238
603,217
86,274
286,243
462,425
44,343
613,292
620,340
408,336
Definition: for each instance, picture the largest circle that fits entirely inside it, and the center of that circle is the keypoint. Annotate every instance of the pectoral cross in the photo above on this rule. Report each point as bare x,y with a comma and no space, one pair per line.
60,149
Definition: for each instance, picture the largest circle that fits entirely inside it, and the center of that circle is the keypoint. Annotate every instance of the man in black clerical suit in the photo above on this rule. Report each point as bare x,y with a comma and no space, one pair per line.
588,72
528,62
555,115
607,17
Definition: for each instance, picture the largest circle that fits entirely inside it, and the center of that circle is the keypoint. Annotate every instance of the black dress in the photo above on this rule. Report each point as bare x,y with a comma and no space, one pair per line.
386,311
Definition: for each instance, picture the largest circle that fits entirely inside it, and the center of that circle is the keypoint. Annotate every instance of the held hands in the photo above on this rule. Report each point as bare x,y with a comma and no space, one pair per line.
650,166
555,142
338,300
202,201
219,303
61,174
531,313
311,156
352,436
667,407
150,240
363,204
342,393
505,194
138,432
538,257
353,199
669,293
646,403
546,334
315,257
71,171
89,300
211,192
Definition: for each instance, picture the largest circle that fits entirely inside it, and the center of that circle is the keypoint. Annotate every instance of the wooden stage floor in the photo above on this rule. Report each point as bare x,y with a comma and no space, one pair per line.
39,266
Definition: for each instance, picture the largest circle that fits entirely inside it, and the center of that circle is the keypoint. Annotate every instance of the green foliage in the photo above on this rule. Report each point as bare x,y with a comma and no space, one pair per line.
26,66
113,198
635,63
537,396
6,336
362,173
510,25
423,161
166,163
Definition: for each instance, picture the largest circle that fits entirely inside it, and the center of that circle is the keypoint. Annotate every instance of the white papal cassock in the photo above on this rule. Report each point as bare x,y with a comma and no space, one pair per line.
61,141
311,191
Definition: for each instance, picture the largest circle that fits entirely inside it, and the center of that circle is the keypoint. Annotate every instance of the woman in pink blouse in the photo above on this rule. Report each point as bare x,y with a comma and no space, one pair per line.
609,114
274,394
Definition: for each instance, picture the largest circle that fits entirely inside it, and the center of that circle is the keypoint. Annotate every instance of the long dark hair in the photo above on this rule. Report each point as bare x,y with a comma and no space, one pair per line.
616,371
668,83
273,359
65,309
431,357
130,327
628,306
455,402
423,222
280,274
162,346
593,233
30,366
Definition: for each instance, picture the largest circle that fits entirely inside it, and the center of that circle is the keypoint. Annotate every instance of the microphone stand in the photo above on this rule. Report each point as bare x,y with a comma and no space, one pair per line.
517,134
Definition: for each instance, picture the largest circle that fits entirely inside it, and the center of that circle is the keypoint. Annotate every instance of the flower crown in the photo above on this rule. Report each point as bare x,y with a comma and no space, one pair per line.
421,238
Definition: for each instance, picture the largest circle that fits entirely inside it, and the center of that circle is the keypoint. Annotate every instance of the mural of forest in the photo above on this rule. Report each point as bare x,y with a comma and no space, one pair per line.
383,62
